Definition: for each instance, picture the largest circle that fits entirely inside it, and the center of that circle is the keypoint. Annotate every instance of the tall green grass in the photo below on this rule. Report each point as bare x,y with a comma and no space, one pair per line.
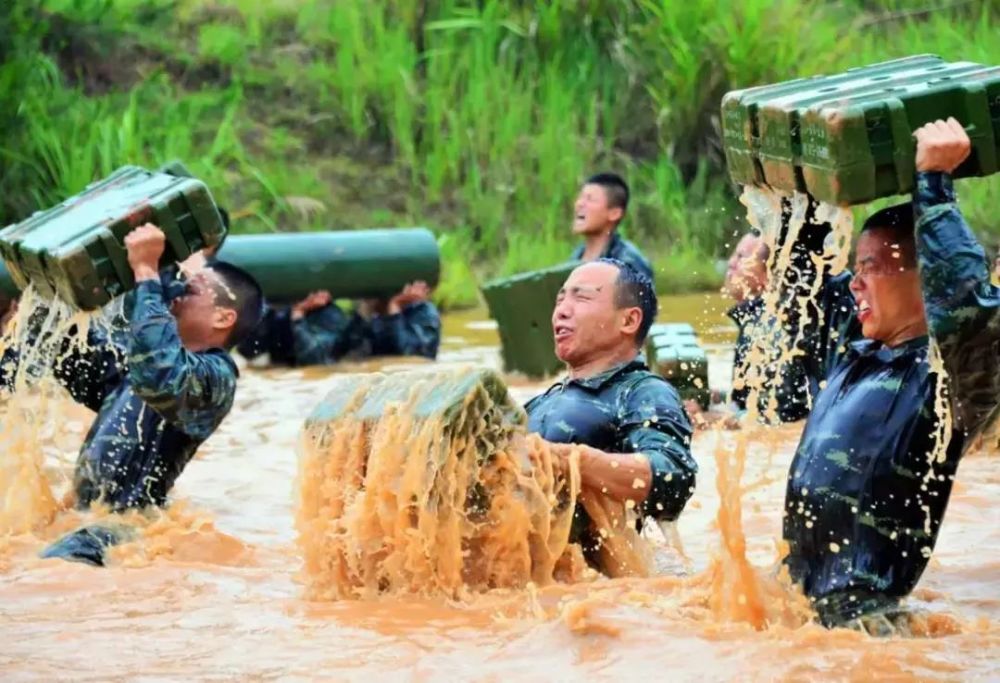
478,119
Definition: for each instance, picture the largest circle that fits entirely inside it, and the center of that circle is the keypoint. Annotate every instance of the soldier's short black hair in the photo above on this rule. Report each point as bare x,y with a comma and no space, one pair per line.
615,187
238,290
896,222
633,288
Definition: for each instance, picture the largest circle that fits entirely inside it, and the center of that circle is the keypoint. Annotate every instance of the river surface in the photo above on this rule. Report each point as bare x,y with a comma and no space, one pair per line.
213,591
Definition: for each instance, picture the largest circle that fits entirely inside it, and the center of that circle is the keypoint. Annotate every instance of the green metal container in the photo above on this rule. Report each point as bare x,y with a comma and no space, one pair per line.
522,307
674,352
76,250
848,139
7,286
350,264
438,394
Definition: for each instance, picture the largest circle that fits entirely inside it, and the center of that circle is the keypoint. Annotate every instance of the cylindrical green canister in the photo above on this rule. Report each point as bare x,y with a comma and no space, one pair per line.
349,264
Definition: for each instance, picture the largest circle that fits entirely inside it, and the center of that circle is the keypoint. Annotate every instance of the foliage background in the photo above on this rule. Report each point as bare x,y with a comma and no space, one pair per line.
477,118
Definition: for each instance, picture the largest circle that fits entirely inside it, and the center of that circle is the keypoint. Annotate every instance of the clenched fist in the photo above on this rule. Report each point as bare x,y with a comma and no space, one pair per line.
942,146
145,247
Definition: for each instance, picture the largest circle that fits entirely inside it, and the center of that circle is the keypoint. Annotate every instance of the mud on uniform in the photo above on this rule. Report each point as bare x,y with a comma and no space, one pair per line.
626,409
621,249
326,335
865,501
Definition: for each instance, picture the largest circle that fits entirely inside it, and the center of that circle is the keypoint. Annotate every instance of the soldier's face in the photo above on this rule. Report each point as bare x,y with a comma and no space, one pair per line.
746,275
886,289
585,321
202,319
591,213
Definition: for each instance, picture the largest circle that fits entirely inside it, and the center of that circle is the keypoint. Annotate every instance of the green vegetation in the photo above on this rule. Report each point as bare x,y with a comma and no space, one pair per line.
477,118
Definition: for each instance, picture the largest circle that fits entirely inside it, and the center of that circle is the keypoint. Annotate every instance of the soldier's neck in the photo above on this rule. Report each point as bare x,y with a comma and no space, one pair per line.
603,363
917,328
596,243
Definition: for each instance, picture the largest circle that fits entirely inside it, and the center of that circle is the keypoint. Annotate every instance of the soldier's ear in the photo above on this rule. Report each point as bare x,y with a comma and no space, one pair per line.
223,318
616,214
631,320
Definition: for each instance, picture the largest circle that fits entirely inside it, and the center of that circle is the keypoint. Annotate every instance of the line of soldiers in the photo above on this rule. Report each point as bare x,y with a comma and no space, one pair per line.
869,483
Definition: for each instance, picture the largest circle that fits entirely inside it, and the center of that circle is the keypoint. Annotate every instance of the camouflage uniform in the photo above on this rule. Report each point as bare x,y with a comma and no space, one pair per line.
415,331
621,249
328,334
864,503
800,377
155,404
626,409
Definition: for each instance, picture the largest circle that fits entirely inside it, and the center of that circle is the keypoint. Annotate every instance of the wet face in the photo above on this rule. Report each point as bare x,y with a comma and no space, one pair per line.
586,323
886,288
591,213
203,319
746,276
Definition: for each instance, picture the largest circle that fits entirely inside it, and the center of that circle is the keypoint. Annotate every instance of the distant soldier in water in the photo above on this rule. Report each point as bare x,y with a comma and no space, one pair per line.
161,396
870,481
635,436
599,210
315,331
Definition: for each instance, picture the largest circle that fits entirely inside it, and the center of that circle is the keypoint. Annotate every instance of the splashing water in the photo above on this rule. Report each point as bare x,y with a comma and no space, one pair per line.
741,592
36,334
426,483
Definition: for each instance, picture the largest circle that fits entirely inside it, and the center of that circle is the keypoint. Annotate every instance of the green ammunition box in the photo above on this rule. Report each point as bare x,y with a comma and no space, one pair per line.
674,353
350,264
522,306
437,394
76,250
848,139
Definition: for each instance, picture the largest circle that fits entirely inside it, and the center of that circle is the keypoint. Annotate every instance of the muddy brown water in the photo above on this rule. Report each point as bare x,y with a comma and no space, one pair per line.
213,592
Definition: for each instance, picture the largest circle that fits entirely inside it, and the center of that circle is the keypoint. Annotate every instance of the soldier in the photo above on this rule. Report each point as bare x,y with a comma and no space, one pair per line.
315,331
599,210
869,484
157,401
634,434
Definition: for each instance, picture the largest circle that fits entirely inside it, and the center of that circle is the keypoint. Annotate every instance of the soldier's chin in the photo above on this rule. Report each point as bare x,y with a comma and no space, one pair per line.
563,352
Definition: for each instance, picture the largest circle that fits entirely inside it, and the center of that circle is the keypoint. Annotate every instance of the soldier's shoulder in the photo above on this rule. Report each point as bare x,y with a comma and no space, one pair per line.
643,381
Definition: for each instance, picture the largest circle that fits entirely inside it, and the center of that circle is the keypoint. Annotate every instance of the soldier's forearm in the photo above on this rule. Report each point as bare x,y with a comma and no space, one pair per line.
952,262
621,476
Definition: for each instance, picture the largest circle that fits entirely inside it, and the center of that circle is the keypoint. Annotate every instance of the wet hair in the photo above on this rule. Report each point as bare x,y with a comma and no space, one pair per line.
238,290
634,289
897,223
614,186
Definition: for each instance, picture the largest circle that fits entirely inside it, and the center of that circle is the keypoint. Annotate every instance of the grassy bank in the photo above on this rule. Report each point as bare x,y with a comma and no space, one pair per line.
477,119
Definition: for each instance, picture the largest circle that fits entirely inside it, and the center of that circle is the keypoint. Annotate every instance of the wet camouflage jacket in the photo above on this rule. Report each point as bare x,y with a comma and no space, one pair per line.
833,321
327,335
155,404
621,249
865,502
626,409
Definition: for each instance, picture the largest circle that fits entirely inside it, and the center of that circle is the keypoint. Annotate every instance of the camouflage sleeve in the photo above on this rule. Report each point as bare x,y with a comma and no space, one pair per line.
319,337
189,390
90,374
961,302
653,422
416,331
